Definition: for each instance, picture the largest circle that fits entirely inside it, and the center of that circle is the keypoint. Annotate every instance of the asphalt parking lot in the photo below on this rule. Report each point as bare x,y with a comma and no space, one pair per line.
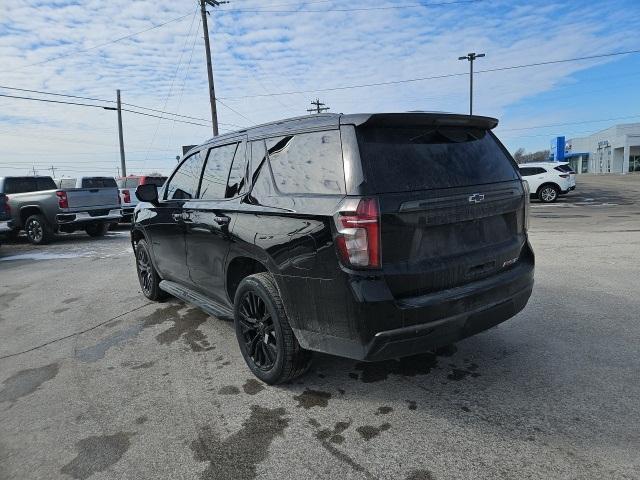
97,382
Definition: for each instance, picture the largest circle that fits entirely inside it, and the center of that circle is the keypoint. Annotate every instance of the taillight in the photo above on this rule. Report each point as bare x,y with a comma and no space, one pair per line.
527,200
126,194
6,207
63,201
358,232
564,175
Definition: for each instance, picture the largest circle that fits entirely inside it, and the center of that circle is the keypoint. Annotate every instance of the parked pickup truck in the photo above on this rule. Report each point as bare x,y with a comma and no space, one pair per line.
5,216
128,185
42,209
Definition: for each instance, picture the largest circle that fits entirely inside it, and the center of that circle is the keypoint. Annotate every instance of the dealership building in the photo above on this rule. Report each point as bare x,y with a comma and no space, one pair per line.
613,150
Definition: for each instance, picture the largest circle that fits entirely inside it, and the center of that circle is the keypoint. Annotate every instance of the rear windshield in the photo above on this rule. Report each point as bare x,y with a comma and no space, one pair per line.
419,158
28,184
99,182
564,168
157,181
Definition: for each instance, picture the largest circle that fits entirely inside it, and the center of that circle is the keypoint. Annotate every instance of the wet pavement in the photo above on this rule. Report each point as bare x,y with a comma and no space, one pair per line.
97,382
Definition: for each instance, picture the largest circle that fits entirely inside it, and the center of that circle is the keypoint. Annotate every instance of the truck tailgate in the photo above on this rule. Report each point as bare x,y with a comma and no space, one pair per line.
92,197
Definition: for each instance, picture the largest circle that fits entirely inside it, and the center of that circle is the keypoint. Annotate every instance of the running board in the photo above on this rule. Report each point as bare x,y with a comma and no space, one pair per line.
203,303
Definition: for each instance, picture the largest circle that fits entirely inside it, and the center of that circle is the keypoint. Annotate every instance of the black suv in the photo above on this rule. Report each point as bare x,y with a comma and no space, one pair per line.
370,236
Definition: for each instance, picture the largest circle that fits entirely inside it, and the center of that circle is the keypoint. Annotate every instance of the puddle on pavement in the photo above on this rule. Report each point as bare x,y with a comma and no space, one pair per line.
312,398
251,443
369,431
96,454
26,382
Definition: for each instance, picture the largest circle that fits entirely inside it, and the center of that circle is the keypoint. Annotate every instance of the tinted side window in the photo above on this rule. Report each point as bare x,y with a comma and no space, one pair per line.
238,173
45,183
308,163
260,173
216,172
526,171
157,181
98,182
20,185
184,183
540,170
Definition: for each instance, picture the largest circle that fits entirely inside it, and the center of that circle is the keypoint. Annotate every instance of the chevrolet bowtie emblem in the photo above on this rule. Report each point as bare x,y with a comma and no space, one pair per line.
476,198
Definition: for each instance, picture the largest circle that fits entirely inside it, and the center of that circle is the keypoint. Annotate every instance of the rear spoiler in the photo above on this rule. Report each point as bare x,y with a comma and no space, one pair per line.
419,119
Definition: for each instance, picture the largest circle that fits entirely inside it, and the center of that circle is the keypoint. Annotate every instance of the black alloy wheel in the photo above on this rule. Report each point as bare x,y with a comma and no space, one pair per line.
147,275
258,332
267,342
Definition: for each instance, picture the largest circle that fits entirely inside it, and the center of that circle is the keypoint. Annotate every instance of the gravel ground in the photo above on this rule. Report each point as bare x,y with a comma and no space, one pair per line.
97,382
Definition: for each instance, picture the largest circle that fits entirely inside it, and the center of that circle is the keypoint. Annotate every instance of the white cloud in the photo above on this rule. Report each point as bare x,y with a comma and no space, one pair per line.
260,53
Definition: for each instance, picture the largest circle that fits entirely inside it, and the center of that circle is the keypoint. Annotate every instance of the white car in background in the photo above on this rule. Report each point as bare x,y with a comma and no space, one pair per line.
546,181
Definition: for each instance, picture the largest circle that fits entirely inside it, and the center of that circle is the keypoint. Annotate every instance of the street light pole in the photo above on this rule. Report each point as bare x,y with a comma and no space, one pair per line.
471,57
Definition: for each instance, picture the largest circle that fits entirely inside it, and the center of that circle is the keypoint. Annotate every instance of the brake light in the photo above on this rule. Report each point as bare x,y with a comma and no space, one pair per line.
63,201
564,175
358,232
126,194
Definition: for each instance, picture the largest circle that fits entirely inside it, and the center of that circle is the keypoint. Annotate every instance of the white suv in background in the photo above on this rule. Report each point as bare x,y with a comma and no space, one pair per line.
546,181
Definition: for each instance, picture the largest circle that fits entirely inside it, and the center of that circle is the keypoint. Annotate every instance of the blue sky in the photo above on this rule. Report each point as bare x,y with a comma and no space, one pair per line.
260,53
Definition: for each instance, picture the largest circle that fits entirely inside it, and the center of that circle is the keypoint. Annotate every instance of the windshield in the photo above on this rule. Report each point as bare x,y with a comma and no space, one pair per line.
411,158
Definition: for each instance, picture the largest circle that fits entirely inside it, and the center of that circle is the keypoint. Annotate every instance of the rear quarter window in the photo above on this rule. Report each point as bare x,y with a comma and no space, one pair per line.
398,159
307,163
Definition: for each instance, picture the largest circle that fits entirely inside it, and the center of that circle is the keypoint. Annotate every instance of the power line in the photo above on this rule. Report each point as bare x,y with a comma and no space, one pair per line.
75,52
55,101
551,125
66,95
233,110
99,106
433,77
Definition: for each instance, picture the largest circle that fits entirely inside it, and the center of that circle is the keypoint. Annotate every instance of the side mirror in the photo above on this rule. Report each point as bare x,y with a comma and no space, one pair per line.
147,193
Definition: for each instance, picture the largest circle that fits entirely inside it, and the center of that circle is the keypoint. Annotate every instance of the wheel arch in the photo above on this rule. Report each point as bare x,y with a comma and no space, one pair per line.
239,268
28,210
546,184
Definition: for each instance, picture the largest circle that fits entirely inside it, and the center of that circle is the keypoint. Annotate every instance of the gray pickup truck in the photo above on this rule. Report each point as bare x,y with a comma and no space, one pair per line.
42,209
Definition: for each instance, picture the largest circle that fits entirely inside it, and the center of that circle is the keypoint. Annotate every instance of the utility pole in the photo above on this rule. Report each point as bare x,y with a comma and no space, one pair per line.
122,161
53,171
471,57
319,107
207,47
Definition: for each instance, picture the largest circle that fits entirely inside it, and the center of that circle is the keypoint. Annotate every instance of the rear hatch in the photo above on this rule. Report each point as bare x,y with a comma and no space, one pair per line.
96,192
451,204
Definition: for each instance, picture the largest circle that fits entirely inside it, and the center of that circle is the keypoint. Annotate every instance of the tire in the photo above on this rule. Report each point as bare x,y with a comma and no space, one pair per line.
38,230
147,275
97,229
548,193
266,340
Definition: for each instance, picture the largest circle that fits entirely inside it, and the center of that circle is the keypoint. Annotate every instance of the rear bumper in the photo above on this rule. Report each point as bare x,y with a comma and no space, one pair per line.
417,324
113,215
